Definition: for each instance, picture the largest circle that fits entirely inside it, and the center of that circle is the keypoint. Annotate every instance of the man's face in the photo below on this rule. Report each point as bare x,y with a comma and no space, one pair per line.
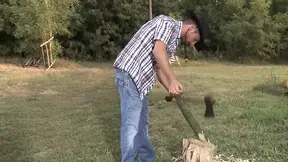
192,36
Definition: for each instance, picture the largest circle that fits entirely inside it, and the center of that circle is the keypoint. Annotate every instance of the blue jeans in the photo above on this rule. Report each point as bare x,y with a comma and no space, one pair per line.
134,121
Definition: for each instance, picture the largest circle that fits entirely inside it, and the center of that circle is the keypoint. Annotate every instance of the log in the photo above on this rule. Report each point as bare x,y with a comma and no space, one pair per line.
198,151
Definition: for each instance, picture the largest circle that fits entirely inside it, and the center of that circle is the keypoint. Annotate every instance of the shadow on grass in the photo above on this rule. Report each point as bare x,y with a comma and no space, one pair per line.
270,89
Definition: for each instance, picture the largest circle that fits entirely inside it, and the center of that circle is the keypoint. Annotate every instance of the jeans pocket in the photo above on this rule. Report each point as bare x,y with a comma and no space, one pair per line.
126,83
128,78
132,88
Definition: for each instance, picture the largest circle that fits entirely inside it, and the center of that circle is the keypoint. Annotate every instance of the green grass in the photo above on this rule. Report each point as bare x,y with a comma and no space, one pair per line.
73,114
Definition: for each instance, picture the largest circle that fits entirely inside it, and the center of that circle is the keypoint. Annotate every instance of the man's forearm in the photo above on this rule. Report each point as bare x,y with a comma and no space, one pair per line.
162,61
163,64
162,78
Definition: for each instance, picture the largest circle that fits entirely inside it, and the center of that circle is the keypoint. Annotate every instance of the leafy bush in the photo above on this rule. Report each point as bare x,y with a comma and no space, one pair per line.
98,30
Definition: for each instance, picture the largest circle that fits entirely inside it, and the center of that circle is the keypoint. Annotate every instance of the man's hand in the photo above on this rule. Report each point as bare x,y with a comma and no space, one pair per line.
175,87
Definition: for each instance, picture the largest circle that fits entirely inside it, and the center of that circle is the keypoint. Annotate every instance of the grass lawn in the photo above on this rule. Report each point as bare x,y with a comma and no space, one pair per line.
72,114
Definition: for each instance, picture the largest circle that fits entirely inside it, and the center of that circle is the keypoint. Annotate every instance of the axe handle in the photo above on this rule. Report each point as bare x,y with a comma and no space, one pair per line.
187,114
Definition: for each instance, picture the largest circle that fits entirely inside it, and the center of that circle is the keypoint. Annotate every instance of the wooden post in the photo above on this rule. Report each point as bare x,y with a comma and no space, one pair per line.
50,31
43,54
47,52
50,49
150,9
50,60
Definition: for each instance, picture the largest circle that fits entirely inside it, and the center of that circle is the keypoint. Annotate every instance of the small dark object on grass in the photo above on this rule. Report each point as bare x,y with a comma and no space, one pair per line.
209,102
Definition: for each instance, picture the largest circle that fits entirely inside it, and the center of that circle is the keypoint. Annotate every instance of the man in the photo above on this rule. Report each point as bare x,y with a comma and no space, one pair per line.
145,55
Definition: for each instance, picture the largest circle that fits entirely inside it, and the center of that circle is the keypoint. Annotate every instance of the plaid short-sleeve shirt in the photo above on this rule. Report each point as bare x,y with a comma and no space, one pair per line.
137,57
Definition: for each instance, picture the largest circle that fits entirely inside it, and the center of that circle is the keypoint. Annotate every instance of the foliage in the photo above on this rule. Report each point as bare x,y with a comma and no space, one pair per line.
27,23
101,28
98,30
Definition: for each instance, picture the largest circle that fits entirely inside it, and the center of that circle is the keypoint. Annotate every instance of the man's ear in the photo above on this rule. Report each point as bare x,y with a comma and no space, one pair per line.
193,28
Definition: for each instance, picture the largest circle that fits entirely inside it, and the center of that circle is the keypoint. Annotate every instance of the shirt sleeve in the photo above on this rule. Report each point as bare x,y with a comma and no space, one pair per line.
164,31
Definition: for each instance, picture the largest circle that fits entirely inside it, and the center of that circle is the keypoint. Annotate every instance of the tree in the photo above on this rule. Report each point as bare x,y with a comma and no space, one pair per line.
103,28
27,22
244,29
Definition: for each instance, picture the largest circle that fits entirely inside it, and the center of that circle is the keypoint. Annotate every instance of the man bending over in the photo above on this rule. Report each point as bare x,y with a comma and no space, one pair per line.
145,56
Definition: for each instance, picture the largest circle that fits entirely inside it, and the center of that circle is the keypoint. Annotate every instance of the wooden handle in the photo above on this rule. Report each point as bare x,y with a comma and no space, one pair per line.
188,116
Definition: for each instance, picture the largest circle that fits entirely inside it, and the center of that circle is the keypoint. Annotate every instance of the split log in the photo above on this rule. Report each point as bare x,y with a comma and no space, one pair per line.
198,151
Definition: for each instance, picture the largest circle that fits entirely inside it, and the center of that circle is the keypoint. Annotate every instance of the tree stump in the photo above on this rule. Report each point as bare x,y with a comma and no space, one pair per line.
198,151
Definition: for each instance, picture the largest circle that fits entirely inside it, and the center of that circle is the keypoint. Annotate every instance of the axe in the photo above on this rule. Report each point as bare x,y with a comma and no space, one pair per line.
209,103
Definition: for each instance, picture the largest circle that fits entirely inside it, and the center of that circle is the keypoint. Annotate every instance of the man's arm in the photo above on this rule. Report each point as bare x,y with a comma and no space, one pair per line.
162,78
159,52
166,74
162,36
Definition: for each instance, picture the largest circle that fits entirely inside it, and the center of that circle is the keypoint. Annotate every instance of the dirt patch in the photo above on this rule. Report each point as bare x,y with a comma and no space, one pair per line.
41,70
222,90
43,153
11,67
49,92
22,84
17,90
2,94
